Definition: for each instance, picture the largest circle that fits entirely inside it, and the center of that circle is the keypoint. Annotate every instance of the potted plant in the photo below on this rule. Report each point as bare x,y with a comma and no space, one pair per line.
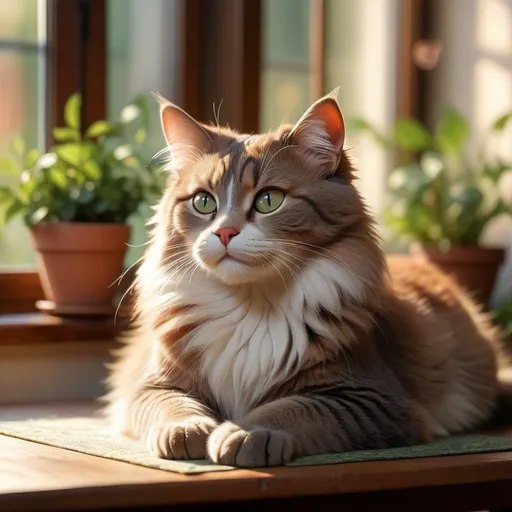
77,199
441,198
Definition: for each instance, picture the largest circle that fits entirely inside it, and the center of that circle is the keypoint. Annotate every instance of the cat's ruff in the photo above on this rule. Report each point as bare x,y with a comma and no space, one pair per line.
253,336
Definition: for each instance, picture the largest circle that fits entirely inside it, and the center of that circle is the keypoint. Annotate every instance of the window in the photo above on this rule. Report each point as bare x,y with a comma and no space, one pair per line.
23,54
263,72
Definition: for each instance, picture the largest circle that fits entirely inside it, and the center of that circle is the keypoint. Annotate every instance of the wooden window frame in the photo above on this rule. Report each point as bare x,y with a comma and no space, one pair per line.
416,22
214,64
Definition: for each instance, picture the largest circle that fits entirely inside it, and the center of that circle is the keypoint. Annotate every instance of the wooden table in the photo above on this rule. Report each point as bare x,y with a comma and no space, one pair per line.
35,477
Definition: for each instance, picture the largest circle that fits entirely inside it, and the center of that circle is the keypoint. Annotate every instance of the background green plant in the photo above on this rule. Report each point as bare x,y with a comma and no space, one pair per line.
99,176
438,194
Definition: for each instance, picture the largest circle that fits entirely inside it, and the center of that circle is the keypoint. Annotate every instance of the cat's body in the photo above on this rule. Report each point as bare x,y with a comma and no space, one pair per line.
268,332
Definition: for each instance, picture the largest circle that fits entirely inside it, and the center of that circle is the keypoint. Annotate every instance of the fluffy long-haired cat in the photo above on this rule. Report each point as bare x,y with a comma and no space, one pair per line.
269,325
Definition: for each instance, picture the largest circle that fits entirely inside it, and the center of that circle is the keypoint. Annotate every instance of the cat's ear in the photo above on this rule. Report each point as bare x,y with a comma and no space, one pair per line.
320,132
183,134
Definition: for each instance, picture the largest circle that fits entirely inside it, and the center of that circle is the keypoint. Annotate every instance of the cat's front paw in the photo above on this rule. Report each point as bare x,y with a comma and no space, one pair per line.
178,440
251,447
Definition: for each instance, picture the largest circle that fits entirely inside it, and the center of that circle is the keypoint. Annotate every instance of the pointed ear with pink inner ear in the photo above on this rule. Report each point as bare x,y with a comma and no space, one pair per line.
321,131
185,137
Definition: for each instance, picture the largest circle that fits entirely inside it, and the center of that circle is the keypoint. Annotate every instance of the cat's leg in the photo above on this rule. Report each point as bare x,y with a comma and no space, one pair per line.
173,424
342,419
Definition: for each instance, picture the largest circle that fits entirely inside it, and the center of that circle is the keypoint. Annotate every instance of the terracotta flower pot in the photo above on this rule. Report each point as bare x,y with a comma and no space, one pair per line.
78,264
474,267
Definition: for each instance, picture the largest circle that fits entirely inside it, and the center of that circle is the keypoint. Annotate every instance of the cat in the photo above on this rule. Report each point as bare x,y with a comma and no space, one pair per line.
268,322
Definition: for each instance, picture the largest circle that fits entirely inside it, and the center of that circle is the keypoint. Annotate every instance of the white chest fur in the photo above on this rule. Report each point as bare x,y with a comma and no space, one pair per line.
251,336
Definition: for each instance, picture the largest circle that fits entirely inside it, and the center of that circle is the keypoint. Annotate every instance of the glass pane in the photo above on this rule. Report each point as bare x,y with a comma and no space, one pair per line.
135,31
19,19
361,60
19,98
21,116
285,98
285,62
280,43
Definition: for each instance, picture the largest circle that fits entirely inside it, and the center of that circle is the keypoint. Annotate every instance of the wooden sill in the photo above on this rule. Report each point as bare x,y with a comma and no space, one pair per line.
34,328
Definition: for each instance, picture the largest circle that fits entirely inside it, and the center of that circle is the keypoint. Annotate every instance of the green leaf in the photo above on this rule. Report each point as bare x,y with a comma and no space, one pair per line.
132,162
27,186
496,170
6,195
411,135
65,134
452,131
72,111
75,153
8,166
67,210
122,152
129,113
31,158
86,195
102,206
18,145
100,128
140,136
14,209
38,215
502,121
360,125
58,177
92,170
47,160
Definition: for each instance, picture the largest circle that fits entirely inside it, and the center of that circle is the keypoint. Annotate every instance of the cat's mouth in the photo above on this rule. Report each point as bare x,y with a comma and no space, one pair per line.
229,257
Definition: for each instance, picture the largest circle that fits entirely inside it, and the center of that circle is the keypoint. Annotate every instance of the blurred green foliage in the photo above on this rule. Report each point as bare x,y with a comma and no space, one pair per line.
98,176
438,195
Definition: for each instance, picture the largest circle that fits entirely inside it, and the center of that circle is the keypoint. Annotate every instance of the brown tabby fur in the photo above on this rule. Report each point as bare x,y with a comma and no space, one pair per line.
402,359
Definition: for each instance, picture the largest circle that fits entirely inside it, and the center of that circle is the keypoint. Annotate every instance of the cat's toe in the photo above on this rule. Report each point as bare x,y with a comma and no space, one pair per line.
233,445
179,440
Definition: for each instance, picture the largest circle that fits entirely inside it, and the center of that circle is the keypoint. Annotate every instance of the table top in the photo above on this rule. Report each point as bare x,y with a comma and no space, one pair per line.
40,477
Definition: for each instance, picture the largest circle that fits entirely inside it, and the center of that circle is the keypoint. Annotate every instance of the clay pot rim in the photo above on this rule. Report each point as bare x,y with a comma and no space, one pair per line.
79,224
80,236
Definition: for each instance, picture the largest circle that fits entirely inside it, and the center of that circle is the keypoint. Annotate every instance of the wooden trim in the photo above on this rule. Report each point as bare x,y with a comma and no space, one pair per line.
19,291
35,328
230,62
416,22
62,73
317,49
189,57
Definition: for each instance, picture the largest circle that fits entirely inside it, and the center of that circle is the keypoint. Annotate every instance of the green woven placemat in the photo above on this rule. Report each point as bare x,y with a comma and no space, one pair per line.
91,436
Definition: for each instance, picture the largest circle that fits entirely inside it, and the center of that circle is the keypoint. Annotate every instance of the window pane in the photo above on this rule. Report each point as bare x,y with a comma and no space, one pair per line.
285,61
20,108
280,42
361,60
19,19
285,98
20,116
22,103
143,51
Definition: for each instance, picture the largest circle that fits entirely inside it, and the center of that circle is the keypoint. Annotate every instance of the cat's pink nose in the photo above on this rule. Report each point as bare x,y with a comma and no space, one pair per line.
226,234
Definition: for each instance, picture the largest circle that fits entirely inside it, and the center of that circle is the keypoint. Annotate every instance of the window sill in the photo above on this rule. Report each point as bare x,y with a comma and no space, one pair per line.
35,328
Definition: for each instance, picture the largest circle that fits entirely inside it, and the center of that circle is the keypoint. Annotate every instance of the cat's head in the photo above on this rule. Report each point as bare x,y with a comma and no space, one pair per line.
245,208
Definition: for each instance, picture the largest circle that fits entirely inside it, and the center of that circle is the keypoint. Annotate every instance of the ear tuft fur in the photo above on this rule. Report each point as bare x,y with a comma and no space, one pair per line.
320,132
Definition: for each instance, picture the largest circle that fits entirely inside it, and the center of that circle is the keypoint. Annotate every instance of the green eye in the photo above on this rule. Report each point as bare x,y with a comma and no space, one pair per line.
204,203
269,201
